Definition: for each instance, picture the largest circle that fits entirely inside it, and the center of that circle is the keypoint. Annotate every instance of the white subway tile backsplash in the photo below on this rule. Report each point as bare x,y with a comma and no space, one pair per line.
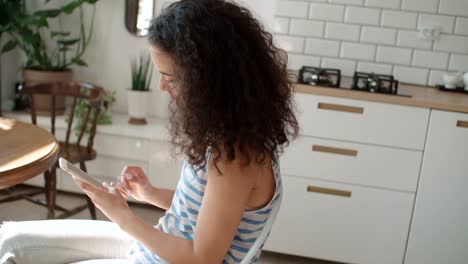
348,2
411,75
292,8
430,59
295,61
399,19
378,35
347,67
309,28
458,63
291,44
454,7
374,67
342,31
358,51
436,77
281,25
323,47
420,5
446,23
394,55
362,15
452,43
462,26
410,39
326,12
383,3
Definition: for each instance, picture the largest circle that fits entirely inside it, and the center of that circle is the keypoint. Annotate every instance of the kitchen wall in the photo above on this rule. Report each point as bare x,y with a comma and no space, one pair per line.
379,36
110,51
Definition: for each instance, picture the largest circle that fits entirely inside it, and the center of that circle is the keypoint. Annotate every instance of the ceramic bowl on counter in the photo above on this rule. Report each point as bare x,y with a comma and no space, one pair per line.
453,79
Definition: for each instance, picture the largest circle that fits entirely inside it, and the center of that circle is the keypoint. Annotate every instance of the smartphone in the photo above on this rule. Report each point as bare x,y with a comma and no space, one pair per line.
75,171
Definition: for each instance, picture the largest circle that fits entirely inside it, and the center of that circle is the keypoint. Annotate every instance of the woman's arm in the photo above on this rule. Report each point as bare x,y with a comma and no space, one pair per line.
160,197
224,202
133,182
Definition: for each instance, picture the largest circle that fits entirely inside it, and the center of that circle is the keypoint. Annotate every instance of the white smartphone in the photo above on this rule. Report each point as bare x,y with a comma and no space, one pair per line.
75,171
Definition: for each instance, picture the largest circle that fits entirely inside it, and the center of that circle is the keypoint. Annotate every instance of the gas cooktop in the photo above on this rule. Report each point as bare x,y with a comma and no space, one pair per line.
361,81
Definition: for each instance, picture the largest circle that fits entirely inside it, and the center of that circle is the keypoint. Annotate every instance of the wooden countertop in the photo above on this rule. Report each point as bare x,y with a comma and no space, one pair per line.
418,96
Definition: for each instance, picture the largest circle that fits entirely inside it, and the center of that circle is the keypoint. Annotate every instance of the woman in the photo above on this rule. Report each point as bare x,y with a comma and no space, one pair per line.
231,113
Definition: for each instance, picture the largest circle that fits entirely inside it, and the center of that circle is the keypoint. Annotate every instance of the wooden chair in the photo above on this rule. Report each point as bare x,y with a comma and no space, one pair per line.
74,152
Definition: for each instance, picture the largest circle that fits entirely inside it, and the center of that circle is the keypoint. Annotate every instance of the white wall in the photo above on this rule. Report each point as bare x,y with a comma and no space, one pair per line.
375,35
10,66
111,49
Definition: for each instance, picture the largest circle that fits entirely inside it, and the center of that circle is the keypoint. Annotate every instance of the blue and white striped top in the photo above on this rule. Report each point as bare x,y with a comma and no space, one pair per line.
181,218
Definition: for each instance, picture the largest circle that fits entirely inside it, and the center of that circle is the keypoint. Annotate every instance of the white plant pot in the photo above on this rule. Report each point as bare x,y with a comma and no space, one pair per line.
138,102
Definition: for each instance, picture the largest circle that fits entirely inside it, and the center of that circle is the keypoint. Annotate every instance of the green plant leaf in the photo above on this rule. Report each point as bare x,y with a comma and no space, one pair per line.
70,7
81,62
4,28
59,34
48,13
68,42
9,46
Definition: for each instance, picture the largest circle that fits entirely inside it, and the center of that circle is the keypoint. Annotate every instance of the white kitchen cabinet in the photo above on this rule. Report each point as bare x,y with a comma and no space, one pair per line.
362,121
371,151
354,163
439,231
353,225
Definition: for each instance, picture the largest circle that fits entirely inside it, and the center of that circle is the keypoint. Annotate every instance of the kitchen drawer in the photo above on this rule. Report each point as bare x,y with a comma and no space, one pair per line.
370,226
362,121
122,147
352,163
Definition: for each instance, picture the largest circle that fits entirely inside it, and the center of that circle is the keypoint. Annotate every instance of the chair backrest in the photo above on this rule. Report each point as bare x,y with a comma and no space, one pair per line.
263,235
92,94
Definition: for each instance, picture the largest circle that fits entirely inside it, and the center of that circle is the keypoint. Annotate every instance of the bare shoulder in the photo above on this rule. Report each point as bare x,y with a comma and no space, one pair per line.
249,172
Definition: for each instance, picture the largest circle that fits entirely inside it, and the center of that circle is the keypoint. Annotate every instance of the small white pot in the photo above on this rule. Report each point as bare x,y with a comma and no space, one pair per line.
138,102
452,79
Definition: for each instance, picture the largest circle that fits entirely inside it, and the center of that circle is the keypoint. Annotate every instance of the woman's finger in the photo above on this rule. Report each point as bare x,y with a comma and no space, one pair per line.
121,190
134,171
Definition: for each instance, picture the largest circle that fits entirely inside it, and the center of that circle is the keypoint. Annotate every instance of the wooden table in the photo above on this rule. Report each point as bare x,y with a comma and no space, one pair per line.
26,151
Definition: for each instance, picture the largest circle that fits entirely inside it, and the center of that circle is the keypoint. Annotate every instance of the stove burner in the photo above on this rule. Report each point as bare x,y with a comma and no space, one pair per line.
319,76
374,83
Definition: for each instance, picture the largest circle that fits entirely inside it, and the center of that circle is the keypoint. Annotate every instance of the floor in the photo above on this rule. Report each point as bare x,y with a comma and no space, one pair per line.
23,210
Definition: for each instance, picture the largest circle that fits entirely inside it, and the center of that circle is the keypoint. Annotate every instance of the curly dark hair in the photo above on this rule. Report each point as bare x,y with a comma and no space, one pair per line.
236,96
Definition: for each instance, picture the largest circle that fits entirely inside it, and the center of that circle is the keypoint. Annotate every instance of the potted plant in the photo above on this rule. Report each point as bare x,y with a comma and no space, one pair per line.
49,53
104,118
139,94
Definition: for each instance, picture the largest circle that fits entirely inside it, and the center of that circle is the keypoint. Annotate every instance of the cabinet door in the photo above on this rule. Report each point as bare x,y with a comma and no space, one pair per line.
340,222
439,232
353,163
362,121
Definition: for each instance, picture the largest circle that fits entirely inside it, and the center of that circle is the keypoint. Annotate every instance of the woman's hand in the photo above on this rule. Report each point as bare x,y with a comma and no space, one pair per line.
107,199
133,182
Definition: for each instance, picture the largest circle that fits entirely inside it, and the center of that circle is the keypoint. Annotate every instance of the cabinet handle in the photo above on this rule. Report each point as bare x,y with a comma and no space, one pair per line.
463,124
341,108
339,151
328,191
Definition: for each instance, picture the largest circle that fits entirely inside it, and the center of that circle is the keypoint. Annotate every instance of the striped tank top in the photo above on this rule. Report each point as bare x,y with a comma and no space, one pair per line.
181,218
